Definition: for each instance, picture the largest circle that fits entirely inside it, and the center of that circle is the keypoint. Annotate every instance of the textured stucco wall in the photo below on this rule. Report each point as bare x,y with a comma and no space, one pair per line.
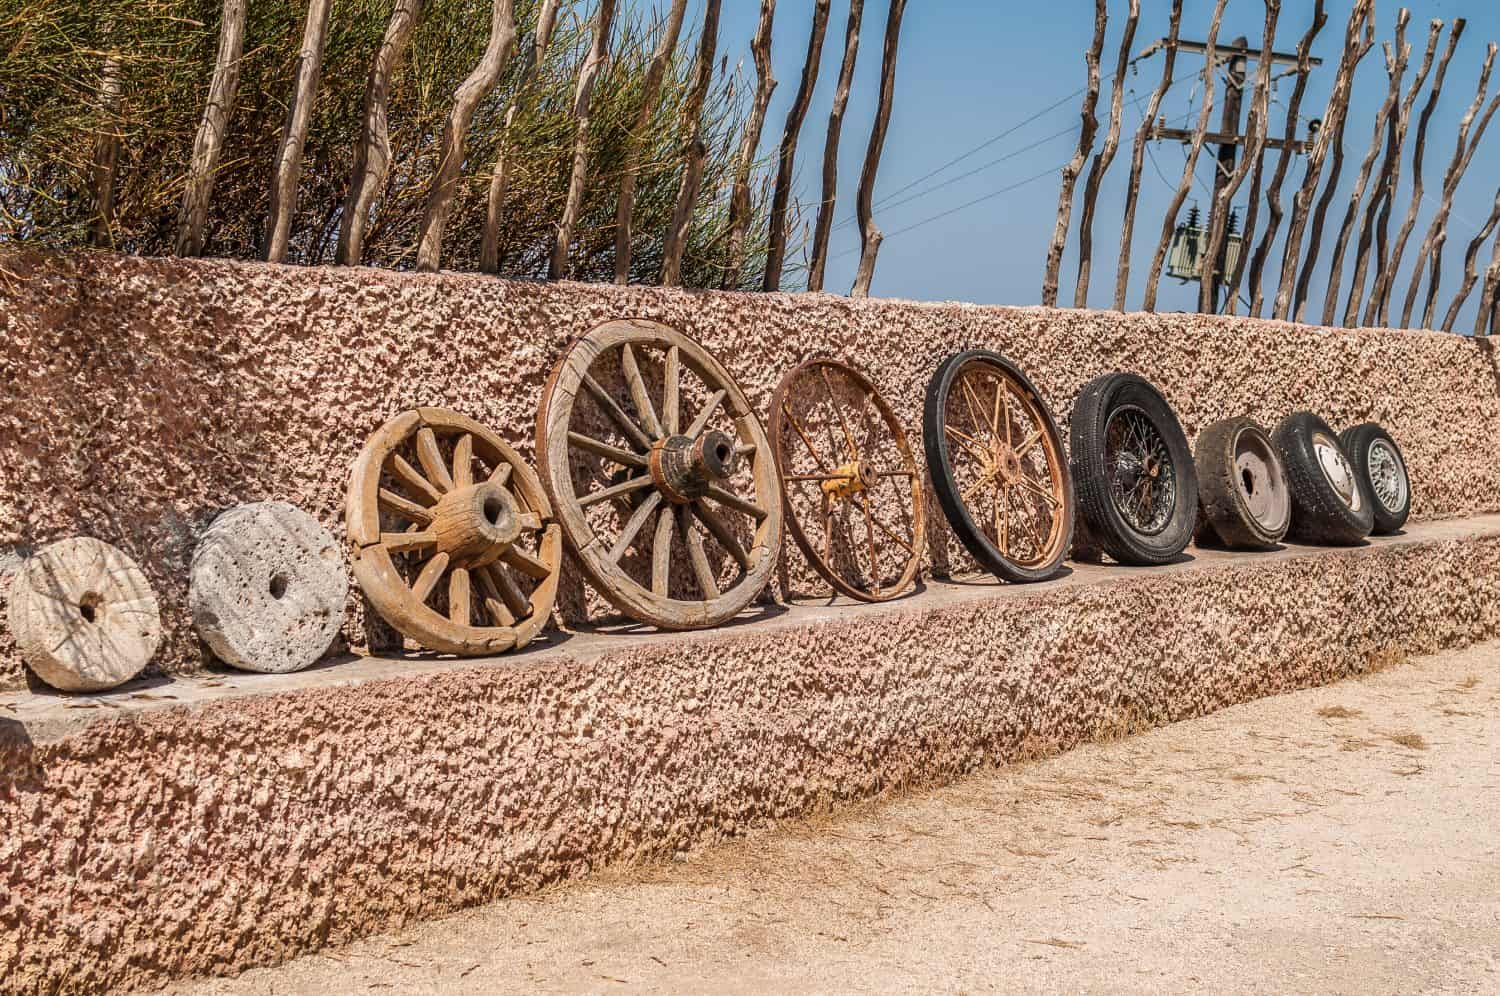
207,839
140,397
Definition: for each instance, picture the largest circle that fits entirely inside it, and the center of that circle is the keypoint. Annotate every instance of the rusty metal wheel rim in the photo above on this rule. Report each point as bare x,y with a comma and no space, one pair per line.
441,507
1016,487
690,459
1142,478
843,472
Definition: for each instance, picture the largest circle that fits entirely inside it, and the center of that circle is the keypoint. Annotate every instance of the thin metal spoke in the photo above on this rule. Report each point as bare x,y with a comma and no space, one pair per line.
407,542
661,554
893,535
638,392
839,411
671,401
1041,492
722,533
615,491
428,578
1002,519
459,594
870,536
973,404
463,461
616,414
624,458
394,503
999,406
815,477
968,442
734,501
709,407
633,526
702,569
412,478
806,441
897,473
432,459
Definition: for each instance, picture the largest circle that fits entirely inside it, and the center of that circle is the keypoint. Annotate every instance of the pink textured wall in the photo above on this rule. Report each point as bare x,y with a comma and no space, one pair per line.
140,397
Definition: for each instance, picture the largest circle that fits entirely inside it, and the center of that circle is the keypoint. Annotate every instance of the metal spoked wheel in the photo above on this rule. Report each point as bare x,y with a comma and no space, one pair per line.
1142,481
852,488
663,478
1377,460
1388,476
453,539
998,466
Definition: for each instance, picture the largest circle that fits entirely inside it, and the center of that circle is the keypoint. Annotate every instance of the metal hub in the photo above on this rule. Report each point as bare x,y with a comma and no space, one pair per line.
1387,475
1143,482
849,480
683,468
1336,469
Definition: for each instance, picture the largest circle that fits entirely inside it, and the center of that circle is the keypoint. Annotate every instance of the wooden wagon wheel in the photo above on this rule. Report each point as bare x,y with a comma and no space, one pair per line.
453,539
852,489
666,490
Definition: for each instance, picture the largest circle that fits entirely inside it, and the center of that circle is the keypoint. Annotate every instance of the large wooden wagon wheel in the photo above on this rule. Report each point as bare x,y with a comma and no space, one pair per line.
453,539
852,488
662,476
998,466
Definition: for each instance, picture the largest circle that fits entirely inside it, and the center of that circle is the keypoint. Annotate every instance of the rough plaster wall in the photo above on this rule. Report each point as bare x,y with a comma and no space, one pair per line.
138,398
209,839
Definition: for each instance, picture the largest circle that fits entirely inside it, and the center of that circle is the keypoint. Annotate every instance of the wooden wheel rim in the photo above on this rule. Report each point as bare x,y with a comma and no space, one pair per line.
654,605
781,419
375,551
999,527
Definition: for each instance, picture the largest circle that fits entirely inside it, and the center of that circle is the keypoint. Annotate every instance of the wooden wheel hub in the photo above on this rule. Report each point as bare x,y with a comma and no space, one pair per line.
474,526
684,468
849,480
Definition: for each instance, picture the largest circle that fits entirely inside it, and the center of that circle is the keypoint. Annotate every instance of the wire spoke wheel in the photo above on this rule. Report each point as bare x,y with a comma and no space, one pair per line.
454,540
851,486
997,465
1142,482
663,478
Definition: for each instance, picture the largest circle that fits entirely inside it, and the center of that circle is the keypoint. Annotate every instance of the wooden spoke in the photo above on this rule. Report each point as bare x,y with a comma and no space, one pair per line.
428,578
624,458
414,480
671,392
633,526
806,440
616,491
459,596
463,461
497,584
394,503
722,533
527,563
839,411
432,460
709,407
529,521
407,542
638,392
616,414
501,475
702,570
734,501
745,450
870,535
661,553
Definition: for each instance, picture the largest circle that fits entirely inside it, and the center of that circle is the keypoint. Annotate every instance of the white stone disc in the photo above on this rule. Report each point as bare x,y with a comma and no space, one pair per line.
83,615
267,588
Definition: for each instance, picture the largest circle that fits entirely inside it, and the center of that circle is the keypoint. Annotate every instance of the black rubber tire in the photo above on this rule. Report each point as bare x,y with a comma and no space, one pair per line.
940,469
1100,398
1221,493
1319,515
1357,442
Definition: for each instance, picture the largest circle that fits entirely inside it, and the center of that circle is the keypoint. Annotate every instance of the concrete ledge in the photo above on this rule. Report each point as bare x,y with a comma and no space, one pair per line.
259,817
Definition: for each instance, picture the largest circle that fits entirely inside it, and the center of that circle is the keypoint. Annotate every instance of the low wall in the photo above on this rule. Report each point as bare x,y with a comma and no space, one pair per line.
139,397
147,840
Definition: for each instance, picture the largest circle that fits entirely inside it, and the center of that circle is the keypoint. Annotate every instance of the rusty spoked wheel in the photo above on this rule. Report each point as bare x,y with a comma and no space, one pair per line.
852,488
998,466
663,478
453,539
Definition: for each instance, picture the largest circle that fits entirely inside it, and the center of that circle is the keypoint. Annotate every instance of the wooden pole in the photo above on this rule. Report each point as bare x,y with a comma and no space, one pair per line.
739,198
106,163
208,144
286,174
824,226
1080,156
1387,279
692,171
1184,184
583,98
1471,273
1138,156
870,234
475,87
1487,321
656,71
1103,158
372,154
787,158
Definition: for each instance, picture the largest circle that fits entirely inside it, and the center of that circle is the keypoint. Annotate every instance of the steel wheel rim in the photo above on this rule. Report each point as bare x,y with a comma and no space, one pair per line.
1387,475
1142,477
848,475
1260,481
647,417
1336,470
1029,515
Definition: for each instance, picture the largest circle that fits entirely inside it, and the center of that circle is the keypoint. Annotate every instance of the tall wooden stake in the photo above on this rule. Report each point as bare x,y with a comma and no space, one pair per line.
824,225
870,234
787,159
286,174
209,142
739,198
1103,158
583,98
692,169
1080,156
1471,273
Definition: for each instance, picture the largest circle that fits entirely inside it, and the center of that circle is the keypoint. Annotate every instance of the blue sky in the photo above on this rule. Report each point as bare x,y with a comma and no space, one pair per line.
970,71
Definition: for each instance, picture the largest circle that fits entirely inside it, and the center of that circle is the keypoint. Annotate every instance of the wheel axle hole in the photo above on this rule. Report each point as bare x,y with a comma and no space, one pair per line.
88,605
278,586
722,452
1249,481
493,509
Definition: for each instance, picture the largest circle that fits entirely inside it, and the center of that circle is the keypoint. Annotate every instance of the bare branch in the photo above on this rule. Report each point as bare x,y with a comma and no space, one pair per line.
787,159
739,197
1103,159
583,98
209,142
824,226
870,234
1471,274
692,173
1080,156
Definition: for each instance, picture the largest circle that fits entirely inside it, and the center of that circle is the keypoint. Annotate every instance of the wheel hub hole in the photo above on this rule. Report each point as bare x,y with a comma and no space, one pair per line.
1248,479
89,605
722,452
494,508
278,586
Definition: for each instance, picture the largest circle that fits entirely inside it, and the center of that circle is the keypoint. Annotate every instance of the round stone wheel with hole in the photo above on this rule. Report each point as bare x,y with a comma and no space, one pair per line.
453,539
1377,460
1242,488
667,491
1330,503
83,615
845,461
267,588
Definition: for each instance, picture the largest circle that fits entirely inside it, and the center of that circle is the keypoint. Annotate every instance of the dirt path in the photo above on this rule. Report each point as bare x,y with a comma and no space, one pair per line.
1343,839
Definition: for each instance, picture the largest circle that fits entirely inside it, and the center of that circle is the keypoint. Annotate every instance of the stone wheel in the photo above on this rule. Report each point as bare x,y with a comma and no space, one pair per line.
83,615
663,478
851,486
453,539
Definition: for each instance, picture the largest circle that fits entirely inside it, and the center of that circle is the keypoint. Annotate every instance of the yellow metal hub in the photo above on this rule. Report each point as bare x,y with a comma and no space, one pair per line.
848,481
